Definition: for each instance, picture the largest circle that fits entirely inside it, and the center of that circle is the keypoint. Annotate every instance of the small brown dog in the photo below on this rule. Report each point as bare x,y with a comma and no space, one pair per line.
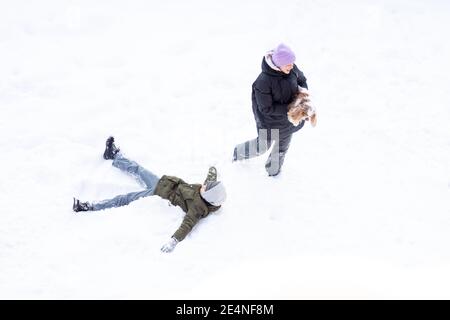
301,109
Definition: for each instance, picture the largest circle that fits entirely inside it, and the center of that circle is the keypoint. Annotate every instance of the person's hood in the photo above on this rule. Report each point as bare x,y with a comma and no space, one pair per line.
267,65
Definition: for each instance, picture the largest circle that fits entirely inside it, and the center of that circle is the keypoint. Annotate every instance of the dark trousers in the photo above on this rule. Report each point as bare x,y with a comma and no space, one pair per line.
280,138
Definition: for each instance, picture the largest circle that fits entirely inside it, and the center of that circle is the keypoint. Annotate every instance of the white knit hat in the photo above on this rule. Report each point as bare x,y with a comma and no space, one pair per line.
214,193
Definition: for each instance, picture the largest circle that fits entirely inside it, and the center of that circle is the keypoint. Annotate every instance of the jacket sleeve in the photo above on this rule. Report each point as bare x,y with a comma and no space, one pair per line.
265,102
301,79
189,221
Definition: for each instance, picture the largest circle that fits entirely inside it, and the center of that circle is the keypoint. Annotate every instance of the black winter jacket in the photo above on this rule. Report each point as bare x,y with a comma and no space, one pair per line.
272,91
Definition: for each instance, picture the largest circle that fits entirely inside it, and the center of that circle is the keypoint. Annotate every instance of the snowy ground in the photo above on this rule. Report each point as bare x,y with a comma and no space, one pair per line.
361,210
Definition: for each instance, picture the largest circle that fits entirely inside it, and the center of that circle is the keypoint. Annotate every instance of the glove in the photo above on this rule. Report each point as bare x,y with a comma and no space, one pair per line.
170,245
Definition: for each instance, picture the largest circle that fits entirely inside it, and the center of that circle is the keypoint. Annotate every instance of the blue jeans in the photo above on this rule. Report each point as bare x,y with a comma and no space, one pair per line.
148,178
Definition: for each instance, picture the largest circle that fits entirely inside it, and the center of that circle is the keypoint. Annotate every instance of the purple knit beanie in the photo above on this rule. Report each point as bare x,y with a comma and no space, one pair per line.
283,55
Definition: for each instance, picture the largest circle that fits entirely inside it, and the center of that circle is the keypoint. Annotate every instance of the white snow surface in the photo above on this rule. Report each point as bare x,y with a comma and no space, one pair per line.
360,211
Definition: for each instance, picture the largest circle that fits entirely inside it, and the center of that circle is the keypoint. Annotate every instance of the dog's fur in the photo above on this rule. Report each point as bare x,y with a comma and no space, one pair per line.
301,109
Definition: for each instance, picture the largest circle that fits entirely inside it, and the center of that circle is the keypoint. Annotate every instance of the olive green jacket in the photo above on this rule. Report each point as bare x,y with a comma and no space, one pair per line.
187,196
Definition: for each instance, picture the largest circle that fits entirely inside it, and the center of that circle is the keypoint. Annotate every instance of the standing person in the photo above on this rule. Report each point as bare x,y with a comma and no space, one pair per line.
275,87
197,200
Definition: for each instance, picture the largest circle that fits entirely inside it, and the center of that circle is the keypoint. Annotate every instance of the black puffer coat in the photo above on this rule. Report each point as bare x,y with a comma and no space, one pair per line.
272,91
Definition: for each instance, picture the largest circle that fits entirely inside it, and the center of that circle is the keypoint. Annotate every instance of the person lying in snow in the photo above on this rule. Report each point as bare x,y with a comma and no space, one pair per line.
197,200
275,88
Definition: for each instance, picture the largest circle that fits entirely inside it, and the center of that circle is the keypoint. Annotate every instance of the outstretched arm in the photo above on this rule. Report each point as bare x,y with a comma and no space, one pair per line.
189,221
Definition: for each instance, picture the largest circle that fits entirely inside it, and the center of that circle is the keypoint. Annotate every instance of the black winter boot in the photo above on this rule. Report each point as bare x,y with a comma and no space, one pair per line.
111,150
81,206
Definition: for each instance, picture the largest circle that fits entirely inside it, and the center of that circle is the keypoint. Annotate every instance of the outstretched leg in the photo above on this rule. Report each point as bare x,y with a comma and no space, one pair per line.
119,161
148,178
253,148
121,200
145,176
